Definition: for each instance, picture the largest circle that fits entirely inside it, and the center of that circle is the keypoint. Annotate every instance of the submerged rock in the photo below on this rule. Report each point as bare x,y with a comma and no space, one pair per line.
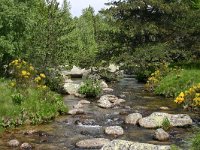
114,130
26,146
84,102
92,143
164,108
161,135
128,145
13,143
133,118
107,90
76,112
78,106
156,119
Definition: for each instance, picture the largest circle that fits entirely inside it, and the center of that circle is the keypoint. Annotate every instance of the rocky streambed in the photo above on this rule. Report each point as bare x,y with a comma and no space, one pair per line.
123,118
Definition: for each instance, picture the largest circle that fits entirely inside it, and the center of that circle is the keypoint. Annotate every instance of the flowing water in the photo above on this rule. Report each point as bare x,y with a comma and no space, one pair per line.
65,131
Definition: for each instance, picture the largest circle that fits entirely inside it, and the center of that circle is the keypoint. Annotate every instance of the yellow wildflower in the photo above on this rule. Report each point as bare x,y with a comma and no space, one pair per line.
13,84
37,79
42,75
31,68
24,72
179,100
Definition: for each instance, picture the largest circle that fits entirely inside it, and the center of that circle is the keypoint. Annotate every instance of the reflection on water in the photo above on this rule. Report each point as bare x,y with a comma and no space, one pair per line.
65,131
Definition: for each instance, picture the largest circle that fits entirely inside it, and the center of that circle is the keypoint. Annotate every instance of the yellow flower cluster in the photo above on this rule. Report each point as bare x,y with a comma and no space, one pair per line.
190,97
25,74
180,98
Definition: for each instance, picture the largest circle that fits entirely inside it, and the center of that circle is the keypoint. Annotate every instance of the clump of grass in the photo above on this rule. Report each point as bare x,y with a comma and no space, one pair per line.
166,124
176,82
196,142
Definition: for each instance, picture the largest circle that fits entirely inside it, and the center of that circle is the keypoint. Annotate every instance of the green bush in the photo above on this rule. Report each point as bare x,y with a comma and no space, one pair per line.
17,98
90,88
177,81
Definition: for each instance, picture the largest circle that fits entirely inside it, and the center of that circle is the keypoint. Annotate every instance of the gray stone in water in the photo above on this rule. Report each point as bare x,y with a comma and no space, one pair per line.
133,118
161,135
92,143
78,106
107,90
108,101
76,112
114,130
128,145
84,102
156,119
25,146
13,143
164,108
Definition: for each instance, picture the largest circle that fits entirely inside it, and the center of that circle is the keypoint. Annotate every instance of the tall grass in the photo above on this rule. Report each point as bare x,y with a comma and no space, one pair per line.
176,82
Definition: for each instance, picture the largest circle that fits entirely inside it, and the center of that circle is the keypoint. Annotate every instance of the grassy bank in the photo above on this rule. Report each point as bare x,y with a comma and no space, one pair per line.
28,105
176,82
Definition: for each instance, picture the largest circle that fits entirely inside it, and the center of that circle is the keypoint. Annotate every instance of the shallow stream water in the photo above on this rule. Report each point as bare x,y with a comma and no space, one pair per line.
65,131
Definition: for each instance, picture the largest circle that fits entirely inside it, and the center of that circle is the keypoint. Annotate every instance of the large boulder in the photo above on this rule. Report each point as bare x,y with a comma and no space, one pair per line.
161,135
128,145
156,119
71,88
133,118
76,72
114,130
92,143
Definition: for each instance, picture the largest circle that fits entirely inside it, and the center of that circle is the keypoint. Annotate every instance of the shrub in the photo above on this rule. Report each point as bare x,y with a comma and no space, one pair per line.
90,88
177,81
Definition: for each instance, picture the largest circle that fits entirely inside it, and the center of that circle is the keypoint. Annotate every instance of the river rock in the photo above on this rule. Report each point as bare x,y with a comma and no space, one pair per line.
76,72
26,146
107,90
104,102
164,108
161,135
71,88
76,111
13,143
114,130
119,101
84,102
128,145
78,106
156,119
113,68
92,143
103,84
133,118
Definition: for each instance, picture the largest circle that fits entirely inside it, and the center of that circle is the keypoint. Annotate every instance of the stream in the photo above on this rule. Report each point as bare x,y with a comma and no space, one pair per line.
65,131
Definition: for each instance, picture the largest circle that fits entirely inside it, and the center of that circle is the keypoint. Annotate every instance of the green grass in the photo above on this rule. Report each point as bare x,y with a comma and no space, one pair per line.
176,82
37,106
196,142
